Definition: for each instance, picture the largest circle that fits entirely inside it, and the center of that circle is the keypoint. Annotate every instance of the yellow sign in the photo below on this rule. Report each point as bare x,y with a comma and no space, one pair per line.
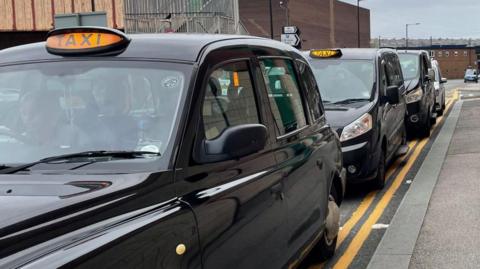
87,40
325,53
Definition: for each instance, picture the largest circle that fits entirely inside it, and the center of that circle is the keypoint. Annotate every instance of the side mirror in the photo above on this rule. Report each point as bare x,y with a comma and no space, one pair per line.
431,75
392,94
233,143
443,80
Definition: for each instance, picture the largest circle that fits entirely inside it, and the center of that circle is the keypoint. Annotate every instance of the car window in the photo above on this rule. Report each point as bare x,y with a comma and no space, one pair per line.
284,94
229,99
313,93
66,107
394,76
355,78
410,65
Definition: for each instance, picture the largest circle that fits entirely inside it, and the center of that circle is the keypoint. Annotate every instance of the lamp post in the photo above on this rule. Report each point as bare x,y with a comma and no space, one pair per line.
284,5
406,32
271,20
358,22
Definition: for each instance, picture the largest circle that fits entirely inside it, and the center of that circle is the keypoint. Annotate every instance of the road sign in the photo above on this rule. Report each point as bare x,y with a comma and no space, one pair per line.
291,39
290,30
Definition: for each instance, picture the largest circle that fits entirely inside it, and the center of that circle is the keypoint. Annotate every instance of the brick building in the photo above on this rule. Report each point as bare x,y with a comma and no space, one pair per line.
453,59
26,21
323,23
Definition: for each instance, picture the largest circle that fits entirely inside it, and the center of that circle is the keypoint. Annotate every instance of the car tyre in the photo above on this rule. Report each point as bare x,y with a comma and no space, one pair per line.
442,108
379,181
325,248
426,126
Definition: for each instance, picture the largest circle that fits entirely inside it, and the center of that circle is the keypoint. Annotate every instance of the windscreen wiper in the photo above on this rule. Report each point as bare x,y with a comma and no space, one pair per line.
89,156
351,100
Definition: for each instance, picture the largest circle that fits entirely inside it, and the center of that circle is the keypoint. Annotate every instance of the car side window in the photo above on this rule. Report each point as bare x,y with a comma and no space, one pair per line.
313,93
229,99
394,76
284,94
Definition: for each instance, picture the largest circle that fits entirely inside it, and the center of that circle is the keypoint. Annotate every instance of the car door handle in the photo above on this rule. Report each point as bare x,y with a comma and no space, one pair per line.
277,191
320,164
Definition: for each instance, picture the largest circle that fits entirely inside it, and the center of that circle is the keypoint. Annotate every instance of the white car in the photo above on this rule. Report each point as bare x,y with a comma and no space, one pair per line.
439,88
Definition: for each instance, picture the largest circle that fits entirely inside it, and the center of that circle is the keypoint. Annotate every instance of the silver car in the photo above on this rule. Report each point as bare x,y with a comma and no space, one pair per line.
439,88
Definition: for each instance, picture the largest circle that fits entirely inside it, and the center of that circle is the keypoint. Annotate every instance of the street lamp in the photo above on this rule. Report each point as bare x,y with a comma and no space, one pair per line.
271,19
406,31
358,22
284,5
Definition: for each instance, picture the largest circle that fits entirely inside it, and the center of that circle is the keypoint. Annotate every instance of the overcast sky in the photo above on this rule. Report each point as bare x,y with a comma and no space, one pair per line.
438,18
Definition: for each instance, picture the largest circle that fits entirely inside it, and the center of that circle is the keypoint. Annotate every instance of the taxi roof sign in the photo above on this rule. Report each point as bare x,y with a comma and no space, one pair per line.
327,53
86,40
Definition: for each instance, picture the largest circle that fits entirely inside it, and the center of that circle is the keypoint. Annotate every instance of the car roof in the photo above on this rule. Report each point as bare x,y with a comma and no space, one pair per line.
357,53
176,47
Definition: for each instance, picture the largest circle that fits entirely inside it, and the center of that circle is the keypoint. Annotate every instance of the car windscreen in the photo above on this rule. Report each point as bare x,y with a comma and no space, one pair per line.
410,66
341,79
53,108
470,72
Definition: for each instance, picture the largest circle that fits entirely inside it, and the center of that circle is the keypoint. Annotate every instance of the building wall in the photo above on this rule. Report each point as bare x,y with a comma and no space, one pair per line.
37,15
323,23
453,62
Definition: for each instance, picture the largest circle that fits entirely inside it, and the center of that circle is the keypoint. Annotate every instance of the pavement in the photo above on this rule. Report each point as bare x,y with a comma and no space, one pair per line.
436,224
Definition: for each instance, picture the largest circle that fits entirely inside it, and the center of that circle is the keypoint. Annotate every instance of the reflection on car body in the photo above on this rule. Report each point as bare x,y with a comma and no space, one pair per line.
187,151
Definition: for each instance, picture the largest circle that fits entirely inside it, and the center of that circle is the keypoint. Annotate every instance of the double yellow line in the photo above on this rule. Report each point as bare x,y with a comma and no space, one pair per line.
359,239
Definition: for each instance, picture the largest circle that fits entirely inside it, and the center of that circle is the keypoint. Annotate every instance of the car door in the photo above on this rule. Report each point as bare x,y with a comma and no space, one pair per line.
389,111
238,203
301,150
430,88
425,83
395,78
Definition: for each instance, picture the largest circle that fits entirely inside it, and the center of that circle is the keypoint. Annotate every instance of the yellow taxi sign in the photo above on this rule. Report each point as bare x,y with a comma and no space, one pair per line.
329,53
85,41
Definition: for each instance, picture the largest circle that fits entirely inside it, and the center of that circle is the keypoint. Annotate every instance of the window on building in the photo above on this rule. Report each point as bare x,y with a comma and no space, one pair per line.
465,53
229,99
432,53
455,53
439,53
284,94
447,53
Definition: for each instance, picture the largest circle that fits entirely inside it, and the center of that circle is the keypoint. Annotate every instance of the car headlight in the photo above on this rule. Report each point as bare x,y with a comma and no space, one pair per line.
357,128
414,96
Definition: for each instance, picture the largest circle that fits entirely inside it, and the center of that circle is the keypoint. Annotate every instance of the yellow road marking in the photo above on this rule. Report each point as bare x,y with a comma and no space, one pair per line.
357,242
367,201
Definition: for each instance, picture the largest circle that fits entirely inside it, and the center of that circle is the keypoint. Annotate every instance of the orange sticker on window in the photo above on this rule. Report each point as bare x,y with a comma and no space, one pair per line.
236,80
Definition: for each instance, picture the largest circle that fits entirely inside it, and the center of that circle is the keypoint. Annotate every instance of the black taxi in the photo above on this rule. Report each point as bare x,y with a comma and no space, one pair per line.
163,151
363,95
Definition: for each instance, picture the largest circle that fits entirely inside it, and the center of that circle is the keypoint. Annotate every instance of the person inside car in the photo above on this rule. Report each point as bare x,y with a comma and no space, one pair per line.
45,125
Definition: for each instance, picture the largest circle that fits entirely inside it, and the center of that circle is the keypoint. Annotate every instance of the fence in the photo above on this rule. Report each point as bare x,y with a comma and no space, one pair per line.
198,16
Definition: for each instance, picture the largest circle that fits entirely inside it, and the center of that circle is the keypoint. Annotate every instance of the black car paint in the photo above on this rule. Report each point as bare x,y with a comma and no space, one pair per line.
364,151
425,108
258,211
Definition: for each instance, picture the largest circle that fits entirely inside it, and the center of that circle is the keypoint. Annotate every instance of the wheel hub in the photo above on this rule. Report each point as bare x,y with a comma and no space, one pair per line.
333,220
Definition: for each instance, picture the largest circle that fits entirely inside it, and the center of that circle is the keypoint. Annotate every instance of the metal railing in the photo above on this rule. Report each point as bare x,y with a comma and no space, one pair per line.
191,16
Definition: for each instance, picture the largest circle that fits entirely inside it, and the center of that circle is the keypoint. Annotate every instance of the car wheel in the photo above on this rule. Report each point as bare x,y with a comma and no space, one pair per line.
433,120
325,248
379,181
425,127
